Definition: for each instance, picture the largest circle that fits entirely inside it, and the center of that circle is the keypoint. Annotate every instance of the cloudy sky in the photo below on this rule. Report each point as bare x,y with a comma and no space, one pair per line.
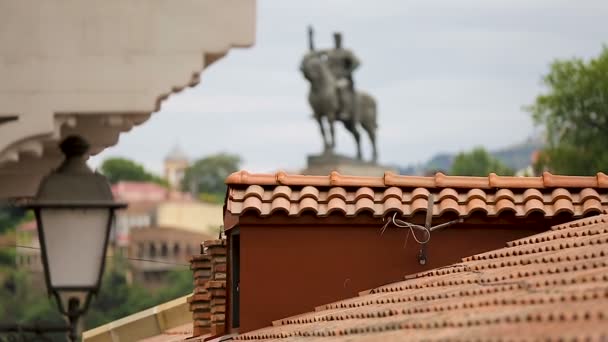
448,75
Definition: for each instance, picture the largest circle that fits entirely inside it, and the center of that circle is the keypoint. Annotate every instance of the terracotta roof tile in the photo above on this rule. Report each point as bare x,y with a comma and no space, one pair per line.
549,195
552,285
440,180
180,333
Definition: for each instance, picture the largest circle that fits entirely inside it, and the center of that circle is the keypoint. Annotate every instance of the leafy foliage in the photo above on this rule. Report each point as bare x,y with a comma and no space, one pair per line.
10,217
478,162
207,175
211,198
21,302
122,169
574,112
24,300
118,299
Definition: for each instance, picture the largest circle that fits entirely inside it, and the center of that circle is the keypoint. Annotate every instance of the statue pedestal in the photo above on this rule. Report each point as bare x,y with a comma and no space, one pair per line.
324,164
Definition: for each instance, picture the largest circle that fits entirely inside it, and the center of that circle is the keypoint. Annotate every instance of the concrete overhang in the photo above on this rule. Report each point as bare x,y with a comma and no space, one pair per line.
97,70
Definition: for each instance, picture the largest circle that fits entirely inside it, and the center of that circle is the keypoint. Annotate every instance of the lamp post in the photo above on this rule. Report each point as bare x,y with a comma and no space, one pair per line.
74,211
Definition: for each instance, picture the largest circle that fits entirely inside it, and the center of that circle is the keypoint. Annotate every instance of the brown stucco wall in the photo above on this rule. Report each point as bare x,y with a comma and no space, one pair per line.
289,269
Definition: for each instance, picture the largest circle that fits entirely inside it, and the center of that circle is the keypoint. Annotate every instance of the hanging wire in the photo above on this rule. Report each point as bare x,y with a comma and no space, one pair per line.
411,226
109,256
403,224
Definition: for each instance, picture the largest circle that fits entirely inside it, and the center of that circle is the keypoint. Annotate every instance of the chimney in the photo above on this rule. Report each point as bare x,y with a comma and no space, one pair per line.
208,301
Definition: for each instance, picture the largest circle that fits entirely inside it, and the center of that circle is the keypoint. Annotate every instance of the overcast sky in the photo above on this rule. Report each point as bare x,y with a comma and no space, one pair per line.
447,75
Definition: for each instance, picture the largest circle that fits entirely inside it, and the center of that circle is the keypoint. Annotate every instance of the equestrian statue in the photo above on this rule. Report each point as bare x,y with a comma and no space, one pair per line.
332,95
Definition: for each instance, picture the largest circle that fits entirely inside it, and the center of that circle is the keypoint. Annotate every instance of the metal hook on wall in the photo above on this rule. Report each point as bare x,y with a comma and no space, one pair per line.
427,229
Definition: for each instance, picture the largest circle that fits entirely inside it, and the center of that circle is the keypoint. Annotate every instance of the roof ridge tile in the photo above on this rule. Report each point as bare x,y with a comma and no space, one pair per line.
392,179
496,181
552,181
443,181
439,180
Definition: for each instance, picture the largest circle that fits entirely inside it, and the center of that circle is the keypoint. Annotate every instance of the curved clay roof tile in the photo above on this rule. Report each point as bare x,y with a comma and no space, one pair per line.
551,181
420,193
390,179
308,204
246,178
504,194
560,193
364,192
588,193
252,203
238,177
392,192
592,206
515,182
447,193
334,178
420,204
280,203
355,181
444,181
562,205
286,179
281,191
264,198
280,177
476,193
532,205
336,204
533,194
336,192
364,204
254,190
448,204
391,204
309,191
476,204
504,204
602,180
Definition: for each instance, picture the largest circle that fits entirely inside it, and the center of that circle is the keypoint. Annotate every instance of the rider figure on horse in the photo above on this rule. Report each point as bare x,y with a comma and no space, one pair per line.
342,63
332,95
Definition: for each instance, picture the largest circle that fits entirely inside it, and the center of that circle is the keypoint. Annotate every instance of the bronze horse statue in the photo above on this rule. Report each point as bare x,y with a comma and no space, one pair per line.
324,100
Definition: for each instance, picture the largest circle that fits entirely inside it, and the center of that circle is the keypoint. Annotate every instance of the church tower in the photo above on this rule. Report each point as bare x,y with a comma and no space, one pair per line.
176,164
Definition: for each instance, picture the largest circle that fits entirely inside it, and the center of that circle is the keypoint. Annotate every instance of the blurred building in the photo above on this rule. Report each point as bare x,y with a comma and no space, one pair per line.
155,251
160,229
28,249
199,217
176,163
143,198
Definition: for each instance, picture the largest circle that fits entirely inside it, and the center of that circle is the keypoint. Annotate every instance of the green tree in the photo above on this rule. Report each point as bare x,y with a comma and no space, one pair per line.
20,302
10,217
574,113
207,175
478,162
117,299
22,299
122,169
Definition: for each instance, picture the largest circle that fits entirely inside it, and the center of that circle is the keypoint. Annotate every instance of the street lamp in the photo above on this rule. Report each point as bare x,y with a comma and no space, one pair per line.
74,210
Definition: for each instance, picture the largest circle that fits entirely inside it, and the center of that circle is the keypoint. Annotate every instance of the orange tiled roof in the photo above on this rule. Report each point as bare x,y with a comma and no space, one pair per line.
550,195
552,285
180,333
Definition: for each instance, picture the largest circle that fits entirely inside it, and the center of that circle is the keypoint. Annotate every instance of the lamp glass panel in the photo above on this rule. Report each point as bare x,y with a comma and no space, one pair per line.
74,241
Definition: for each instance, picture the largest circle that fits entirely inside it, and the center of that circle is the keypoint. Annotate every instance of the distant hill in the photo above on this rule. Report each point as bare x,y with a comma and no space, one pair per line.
515,157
